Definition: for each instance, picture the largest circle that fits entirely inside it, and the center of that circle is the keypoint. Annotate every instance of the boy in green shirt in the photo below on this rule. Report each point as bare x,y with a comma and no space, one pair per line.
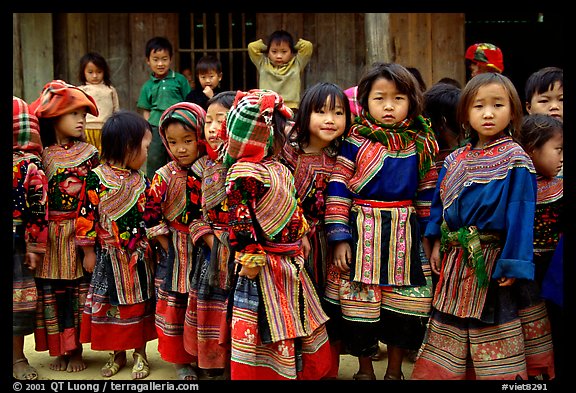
165,88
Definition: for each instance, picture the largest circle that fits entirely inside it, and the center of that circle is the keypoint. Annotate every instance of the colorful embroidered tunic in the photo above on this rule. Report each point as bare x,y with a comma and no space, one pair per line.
492,189
30,231
266,228
487,197
174,197
66,168
112,217
204,336
311,173
119,311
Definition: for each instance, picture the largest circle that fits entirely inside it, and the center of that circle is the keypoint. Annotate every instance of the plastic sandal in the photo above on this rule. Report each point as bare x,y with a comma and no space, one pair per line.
29,373
140,366
187,373
112,366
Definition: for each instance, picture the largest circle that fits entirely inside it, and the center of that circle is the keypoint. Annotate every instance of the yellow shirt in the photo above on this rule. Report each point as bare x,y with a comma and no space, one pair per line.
286,79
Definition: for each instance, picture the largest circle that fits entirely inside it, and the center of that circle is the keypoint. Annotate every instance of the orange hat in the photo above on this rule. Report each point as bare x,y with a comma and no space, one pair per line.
58,98
487,54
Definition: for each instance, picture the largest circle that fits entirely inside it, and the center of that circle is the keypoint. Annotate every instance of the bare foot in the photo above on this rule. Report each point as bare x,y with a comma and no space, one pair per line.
76,363
59,364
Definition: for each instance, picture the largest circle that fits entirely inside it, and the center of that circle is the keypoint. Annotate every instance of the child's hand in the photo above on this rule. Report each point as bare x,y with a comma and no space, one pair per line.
250,272
435,261
208,92
163,241
32,260
343,256
306,247
89,259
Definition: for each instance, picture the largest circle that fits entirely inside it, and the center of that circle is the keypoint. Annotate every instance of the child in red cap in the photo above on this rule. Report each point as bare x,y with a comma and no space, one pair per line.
484,57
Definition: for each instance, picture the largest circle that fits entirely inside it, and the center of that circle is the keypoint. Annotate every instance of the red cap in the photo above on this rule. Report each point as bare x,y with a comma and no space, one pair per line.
487,54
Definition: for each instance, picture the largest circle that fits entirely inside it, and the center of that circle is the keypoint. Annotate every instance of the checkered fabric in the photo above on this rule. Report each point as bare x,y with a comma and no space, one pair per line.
58,98
249,125
25,129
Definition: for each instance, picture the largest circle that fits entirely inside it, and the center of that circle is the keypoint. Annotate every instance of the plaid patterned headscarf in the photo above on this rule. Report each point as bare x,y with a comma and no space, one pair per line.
188,113
249,125
58,98
25,129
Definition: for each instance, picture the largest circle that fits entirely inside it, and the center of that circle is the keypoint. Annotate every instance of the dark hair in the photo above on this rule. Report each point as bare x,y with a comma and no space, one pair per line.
99,61
158,43
405,82
440,103
450,81
279,123
469,94
418,75
543,80
48,131
537,129
224,98
281,36
208,63
122,135
313,100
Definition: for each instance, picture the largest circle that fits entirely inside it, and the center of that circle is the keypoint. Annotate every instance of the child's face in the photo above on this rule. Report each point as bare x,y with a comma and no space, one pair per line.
549,103
386,104
215,116
136,161
279,53
326,125
210,79
490,112
549,157
70,126
182,143
93,74
159,62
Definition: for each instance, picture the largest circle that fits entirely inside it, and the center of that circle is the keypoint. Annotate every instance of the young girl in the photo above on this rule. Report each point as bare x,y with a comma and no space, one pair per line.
542,137
29,229
378,197
210,286
174,197
314,141
280,63
277,324
61,280
119,311
94,76
481,224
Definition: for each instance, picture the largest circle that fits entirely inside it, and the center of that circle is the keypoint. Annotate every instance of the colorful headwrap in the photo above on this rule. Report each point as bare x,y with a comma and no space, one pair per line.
352,94
487,54
58,98
25,129
249,125
190,114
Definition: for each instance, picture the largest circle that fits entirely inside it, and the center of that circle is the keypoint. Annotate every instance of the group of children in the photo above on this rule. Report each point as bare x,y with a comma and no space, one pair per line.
274,239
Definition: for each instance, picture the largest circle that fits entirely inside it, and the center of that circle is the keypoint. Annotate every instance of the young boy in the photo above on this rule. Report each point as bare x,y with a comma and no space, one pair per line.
164,88
280,63
209,75
544,93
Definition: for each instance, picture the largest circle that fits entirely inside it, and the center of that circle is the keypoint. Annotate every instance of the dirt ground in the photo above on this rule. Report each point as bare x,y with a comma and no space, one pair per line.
161,370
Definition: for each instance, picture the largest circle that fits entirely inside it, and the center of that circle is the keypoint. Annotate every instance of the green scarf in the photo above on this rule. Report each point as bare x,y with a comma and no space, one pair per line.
400,135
